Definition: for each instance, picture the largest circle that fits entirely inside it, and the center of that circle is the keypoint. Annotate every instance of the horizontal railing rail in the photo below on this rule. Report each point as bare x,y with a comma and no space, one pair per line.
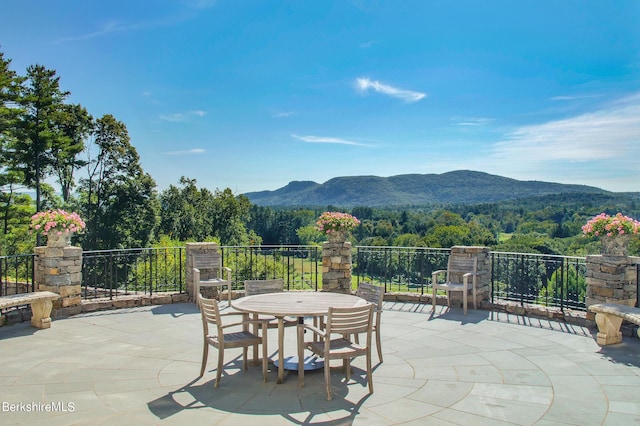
17,274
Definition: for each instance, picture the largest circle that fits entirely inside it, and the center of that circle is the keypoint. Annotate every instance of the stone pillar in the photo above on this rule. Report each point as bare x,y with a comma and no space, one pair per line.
194,252
611,279
59,270
484,273
336,267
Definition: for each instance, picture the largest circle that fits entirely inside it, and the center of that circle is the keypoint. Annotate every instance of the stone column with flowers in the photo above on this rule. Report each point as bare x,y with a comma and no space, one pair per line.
58,265
611,275
336,253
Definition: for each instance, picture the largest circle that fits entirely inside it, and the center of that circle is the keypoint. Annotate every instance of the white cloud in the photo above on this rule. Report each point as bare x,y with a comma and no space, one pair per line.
187,152
324,139
572,97
182,116
611,132
365,84
472,121
600,148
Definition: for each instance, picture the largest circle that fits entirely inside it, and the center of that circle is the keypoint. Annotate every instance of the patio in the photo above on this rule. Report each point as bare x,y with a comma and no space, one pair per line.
140,366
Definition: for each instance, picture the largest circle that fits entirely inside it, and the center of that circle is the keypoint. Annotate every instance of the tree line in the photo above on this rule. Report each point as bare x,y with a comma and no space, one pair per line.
97,171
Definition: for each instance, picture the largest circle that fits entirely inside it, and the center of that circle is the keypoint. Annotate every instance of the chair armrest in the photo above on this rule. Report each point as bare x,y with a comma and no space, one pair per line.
247,322
434,275
313,329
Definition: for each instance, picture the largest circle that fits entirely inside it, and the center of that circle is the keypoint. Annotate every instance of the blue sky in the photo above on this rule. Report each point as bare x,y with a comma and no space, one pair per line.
251,95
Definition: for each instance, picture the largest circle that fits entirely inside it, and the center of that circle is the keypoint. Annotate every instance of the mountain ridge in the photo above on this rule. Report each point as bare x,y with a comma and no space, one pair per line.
460,186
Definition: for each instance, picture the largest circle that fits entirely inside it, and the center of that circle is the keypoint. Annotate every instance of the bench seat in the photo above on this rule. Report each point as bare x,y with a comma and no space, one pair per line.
609,317
41,303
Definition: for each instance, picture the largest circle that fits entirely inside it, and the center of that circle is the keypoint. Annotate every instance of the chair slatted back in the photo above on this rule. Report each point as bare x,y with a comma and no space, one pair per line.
210,313
460,265
371,293
350,320
252,287
209,264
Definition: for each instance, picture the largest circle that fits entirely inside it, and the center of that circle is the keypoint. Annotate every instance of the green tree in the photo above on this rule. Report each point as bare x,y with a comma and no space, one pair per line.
38,127
15,209
118,198
75,124
192,214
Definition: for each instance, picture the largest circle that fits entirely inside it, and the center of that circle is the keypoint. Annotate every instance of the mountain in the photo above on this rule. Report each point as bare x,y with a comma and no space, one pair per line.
458,187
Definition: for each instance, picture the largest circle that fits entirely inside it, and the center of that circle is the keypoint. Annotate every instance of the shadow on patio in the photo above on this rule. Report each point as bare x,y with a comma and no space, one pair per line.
140,366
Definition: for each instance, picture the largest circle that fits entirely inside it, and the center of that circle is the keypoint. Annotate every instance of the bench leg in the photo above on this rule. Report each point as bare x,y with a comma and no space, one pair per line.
41,313
608,329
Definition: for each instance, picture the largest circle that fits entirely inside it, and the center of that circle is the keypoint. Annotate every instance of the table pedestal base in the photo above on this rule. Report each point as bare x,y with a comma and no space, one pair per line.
311,362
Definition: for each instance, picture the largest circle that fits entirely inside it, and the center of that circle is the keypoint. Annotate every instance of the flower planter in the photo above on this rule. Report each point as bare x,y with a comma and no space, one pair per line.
615,246
59,240
337,237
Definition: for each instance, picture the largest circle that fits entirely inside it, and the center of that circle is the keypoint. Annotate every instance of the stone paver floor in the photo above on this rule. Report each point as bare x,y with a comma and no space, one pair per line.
140,366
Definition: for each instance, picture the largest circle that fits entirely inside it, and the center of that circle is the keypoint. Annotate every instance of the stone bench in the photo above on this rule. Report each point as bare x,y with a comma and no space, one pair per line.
609,317
41,304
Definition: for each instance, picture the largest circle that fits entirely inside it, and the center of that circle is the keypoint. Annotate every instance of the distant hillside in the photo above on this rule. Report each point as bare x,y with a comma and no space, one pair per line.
458,187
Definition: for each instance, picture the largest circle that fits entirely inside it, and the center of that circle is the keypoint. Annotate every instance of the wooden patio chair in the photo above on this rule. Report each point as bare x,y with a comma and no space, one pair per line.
209,272
373,294
276,285
334,342
222,338
461,275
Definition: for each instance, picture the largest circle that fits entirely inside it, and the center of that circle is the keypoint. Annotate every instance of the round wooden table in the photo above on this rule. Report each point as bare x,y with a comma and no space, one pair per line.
294,303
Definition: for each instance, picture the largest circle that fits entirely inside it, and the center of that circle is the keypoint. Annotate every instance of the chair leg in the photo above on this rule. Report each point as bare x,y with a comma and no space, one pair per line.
433,297
205,355
474,297
265,361
327,379
245,353
369,372
220,365
465,296
255,347
346,364
378,345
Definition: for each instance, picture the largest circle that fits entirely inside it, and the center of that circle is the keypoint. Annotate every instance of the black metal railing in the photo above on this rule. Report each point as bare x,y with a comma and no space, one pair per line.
110,273
398,268
296,265
17,274
555,281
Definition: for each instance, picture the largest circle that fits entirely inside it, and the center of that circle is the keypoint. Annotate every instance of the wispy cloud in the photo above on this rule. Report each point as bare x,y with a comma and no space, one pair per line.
110,27
187,152
324,139
472,121
590,148
365,84
572,97
190,11
611,132
182,116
